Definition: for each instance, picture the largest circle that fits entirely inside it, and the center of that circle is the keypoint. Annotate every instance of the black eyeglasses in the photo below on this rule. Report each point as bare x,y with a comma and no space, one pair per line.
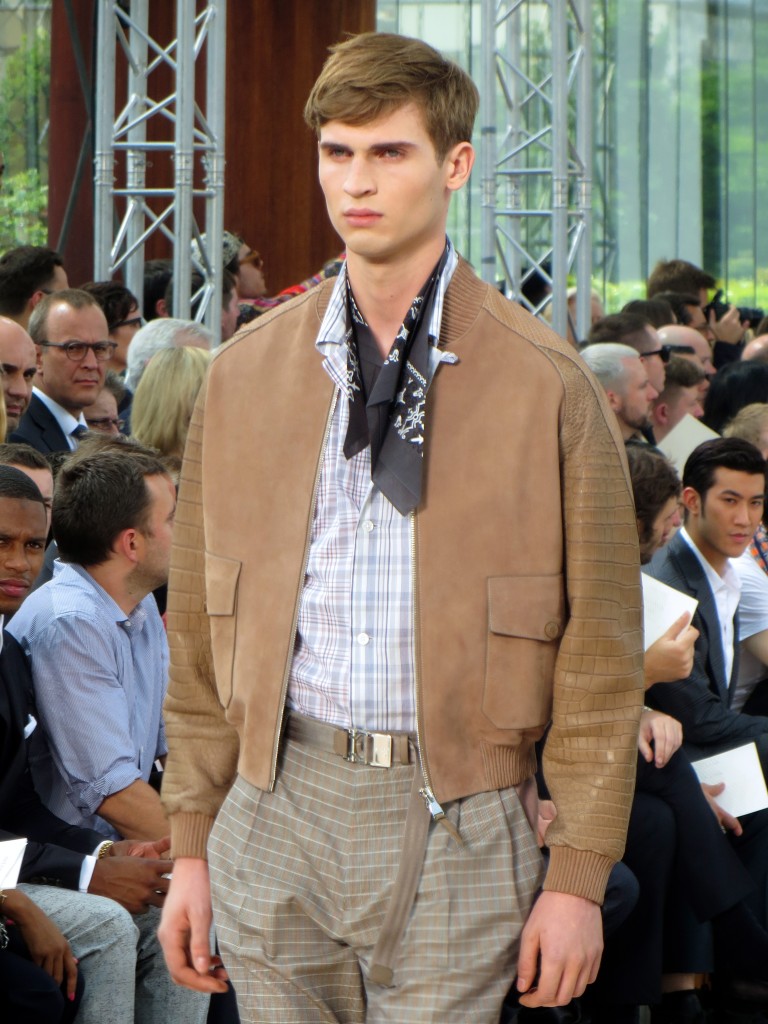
104,423
76,350
665,352
135,321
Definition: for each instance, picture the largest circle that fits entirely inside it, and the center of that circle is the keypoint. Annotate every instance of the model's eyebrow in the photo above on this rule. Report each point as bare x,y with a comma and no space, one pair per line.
377,147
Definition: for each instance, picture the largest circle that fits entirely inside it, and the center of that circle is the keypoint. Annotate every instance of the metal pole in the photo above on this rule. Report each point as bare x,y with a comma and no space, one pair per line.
559,166
136,163
214,161
184,156
488,143
584,143
103,175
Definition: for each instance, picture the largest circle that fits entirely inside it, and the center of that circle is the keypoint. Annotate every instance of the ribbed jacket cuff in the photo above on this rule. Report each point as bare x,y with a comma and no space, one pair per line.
189,834
578,872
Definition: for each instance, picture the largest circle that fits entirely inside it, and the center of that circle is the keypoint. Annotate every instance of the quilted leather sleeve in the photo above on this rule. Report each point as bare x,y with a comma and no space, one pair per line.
590,754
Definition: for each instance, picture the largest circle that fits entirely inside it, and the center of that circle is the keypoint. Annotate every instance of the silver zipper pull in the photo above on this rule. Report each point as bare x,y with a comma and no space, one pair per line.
438,814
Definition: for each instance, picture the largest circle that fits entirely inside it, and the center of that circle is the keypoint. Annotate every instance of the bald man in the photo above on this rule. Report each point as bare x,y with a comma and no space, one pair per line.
19,365
684,339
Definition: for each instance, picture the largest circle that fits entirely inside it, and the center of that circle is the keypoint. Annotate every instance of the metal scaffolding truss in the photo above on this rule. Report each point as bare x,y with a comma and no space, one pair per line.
536,150
192,133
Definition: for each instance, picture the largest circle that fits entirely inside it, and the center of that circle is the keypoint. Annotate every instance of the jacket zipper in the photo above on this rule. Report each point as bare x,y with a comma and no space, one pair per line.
426,792
295,624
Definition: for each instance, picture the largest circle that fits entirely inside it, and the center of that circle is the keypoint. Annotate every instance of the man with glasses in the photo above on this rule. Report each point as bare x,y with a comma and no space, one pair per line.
70,332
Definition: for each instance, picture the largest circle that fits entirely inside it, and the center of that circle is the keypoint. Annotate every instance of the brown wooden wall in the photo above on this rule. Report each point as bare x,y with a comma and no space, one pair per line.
275,49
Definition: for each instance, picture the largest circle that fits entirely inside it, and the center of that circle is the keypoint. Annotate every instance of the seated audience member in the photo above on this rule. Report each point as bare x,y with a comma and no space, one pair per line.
756,350
229,306
165,332
18,361
157,274
165,399
241,261
96,643
733,387
121,308
680,397
723,495
636,332
69,330
624,378
67,871
27,274
706,869
103,415
657,312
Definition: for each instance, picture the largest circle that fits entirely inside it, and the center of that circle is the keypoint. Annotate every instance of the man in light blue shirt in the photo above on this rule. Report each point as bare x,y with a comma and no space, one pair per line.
97,644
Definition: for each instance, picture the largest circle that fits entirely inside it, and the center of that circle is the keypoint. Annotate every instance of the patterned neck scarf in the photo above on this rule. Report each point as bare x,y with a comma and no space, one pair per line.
392,419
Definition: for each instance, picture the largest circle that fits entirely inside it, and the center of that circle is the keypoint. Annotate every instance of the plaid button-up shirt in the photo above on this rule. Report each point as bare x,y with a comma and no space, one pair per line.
353,662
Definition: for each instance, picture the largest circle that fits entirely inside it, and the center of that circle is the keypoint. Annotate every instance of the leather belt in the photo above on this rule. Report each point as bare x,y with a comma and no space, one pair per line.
358,746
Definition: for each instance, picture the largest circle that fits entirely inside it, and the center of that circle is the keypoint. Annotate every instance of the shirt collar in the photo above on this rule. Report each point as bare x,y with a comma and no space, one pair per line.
131,623
65,419
729,580
334,331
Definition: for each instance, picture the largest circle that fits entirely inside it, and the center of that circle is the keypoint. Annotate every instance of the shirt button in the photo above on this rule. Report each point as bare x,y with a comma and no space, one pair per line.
368,525
363,639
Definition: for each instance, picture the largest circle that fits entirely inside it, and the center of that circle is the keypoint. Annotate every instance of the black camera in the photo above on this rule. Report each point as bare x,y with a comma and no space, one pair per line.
720,308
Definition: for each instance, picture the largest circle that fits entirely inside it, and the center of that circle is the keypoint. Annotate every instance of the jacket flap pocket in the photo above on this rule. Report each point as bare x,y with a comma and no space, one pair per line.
526,606
221,576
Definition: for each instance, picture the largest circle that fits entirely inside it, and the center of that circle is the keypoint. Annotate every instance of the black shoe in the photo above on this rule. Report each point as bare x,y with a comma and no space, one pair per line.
570,1014
678,1008
741,993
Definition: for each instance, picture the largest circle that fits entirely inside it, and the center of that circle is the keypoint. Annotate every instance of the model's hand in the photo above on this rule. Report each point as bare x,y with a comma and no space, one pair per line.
48,948
726,821
665,732
729,327
671,656
135,882
185,927
563,939
141,848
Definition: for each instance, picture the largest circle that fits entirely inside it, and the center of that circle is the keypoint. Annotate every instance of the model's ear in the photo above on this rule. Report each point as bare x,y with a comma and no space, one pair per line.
458,165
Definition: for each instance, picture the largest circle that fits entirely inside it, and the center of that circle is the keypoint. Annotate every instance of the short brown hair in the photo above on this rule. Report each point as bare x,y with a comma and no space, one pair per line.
678,276
679,373
100,491
374,73
654,482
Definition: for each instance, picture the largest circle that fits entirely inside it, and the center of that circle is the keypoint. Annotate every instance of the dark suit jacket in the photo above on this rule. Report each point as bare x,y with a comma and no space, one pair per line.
702,702
55,849
38,427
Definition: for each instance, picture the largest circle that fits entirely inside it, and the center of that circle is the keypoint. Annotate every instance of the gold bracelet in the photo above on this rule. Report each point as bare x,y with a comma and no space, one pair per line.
106,846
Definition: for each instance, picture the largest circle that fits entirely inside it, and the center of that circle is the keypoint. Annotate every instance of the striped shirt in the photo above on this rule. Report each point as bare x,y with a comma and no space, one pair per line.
353,662
100,678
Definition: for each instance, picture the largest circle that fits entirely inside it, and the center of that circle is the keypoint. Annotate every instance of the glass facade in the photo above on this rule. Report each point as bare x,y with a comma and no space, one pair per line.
680,143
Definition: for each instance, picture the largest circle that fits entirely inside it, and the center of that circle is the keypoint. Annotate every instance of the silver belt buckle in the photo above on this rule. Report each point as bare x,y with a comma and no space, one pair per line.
375,748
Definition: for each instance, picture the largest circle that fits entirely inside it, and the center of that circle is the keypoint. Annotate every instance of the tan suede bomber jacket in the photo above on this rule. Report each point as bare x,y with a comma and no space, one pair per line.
528,606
